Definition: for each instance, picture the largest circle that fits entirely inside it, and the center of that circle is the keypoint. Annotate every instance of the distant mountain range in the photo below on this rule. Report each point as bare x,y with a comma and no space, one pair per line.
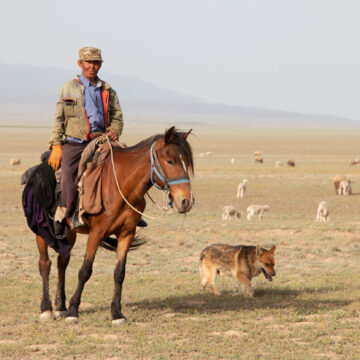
28,95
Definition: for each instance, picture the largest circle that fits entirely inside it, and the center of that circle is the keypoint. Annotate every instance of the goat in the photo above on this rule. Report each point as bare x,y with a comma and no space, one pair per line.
15,161
354,162
229,212
323,212
291,162
257,210
337,180
259,159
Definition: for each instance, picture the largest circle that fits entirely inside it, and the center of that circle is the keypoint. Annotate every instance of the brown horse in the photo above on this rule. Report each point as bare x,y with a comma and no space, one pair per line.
161,160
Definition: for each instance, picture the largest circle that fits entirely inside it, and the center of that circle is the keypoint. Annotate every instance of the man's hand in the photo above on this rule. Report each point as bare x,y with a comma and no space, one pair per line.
113,135
55,157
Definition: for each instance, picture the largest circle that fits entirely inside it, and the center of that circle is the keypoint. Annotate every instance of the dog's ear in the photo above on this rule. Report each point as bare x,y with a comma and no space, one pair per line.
258,250
272,250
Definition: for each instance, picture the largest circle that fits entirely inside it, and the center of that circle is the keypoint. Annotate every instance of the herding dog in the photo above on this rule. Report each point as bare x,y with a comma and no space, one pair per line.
241,261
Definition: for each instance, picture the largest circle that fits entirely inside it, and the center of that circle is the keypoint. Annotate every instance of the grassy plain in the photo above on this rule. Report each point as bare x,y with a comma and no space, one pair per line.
310,310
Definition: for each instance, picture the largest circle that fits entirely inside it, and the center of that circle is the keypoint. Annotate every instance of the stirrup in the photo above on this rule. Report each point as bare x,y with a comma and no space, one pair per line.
76,222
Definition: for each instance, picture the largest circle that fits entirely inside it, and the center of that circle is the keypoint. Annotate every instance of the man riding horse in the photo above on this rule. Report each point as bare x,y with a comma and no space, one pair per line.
87,107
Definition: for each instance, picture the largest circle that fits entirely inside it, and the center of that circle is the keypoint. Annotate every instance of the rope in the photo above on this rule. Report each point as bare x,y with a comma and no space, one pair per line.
120,192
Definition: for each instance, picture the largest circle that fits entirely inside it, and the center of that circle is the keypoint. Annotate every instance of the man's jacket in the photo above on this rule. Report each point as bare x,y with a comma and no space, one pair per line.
70,115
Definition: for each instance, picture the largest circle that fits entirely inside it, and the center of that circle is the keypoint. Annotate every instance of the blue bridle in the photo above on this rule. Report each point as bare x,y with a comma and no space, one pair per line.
157,169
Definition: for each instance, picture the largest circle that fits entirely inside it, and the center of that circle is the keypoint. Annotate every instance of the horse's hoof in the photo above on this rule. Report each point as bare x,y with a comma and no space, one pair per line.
59,314
46,315
72,319
119,322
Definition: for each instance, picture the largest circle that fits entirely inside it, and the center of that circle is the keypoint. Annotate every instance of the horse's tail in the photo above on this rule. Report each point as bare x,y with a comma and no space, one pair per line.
110,243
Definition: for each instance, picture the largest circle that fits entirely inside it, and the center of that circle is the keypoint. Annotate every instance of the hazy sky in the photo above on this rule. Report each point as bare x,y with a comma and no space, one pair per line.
296,55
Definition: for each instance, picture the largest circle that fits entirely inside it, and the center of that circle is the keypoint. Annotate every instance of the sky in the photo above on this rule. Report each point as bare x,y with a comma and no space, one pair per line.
292,55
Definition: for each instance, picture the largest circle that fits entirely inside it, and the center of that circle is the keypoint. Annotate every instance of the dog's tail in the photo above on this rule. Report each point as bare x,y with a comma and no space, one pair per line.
110,243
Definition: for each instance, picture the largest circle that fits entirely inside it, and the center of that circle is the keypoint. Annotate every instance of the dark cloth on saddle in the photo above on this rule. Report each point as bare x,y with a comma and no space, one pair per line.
39,200
43,182
44,158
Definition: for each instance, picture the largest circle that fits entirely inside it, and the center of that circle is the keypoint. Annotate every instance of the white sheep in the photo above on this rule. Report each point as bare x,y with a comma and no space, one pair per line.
241,189
257,210
278,164
15,161
229,212
345,187
232,161
323,212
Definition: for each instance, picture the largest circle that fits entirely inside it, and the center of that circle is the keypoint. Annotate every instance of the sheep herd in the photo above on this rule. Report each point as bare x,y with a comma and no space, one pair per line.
341,182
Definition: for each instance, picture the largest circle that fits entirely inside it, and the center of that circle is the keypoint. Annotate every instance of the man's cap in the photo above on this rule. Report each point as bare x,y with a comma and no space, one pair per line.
90,54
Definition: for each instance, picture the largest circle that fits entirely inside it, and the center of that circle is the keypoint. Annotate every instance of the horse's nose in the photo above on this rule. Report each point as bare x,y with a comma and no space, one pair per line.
185,204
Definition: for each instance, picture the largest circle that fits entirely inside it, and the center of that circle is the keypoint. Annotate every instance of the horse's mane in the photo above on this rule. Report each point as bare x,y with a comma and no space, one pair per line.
171,136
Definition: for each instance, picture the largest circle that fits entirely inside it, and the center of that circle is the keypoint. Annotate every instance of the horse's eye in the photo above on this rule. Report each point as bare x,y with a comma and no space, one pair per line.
169,162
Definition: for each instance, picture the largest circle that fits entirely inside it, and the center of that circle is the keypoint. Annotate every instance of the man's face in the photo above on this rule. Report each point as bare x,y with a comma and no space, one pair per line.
90,68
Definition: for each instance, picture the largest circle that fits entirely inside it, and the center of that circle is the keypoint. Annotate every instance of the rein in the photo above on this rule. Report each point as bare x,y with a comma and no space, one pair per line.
160,173
120,192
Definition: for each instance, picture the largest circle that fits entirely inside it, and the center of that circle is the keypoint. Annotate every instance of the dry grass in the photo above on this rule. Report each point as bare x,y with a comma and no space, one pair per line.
309,311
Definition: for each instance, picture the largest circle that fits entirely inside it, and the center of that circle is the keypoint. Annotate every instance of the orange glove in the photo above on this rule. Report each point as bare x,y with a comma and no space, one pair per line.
55,157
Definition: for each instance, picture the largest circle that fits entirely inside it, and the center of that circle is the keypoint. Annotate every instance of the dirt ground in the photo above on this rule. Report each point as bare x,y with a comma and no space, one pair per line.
309,311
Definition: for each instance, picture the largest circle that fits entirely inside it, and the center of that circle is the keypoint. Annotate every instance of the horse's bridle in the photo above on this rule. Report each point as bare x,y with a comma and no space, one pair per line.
156,167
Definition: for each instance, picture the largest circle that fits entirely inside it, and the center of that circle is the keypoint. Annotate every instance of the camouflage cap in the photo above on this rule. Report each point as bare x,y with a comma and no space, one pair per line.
90,54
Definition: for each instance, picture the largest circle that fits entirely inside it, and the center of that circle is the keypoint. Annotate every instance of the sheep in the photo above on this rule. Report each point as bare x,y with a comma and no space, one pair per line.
291,162
323,212
257,153
257,209
345,187
229,212
354,162
232,161
15,161
205,154
259,159
241,189
337,180
278,164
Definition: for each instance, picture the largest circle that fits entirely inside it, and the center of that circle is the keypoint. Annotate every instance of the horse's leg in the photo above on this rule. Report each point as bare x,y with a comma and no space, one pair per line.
62,263
44,268
119,275
84,275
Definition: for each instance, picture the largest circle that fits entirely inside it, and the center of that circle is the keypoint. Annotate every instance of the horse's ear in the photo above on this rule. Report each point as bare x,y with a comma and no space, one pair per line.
187,134
169,135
